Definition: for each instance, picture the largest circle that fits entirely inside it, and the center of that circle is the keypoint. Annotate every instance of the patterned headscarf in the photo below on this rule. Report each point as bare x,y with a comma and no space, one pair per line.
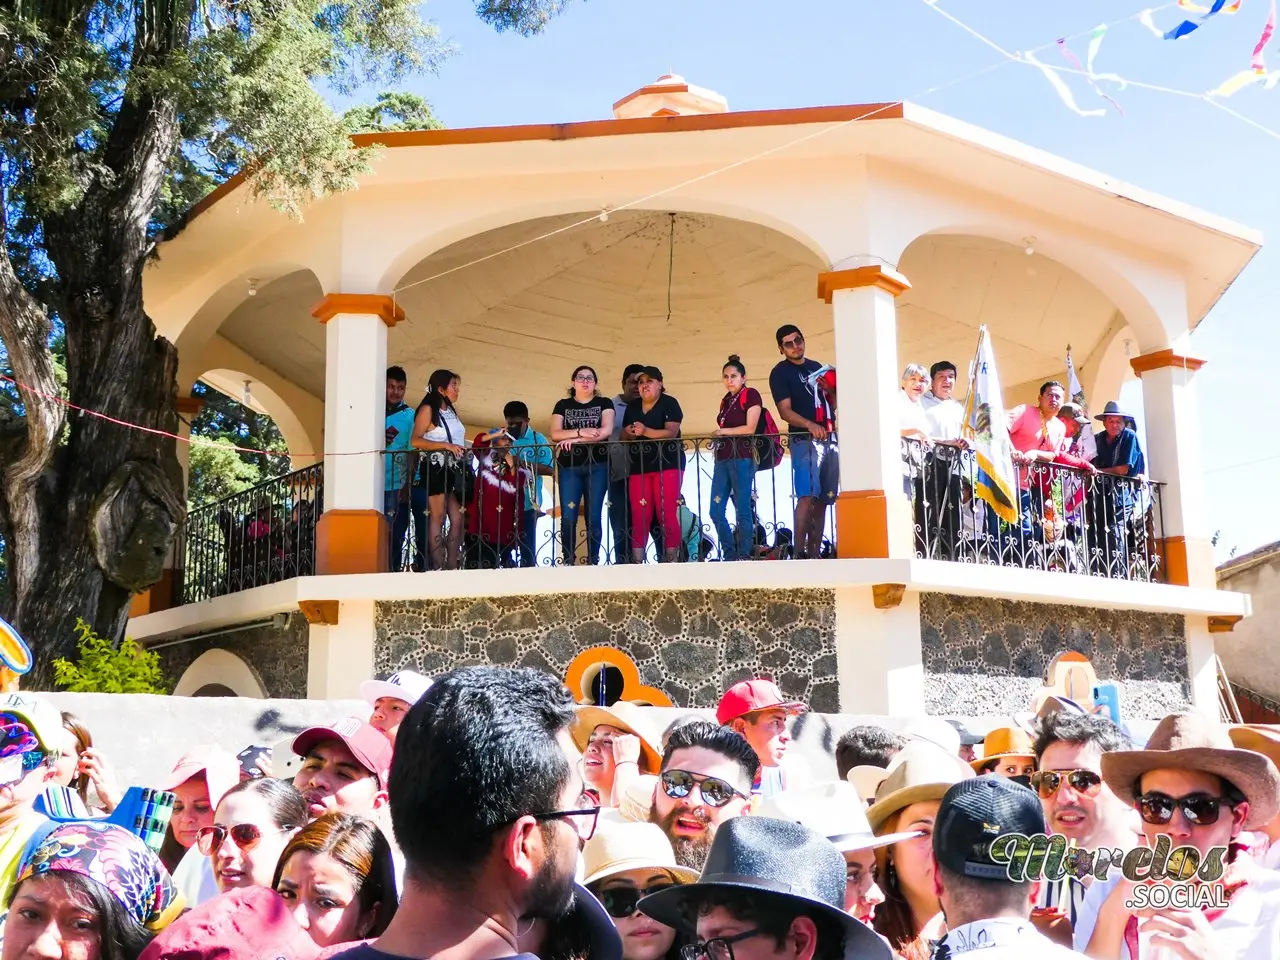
115,858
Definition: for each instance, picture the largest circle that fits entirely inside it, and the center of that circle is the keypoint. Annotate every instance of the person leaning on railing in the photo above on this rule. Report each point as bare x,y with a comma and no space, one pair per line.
652,424
735,470
578,424
1110,502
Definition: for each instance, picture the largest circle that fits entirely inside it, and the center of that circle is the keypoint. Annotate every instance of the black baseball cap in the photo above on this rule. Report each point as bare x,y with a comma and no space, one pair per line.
653,373
976,812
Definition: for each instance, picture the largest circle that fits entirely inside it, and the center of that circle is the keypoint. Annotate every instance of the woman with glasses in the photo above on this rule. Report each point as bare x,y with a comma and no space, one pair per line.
252,826
338,878
579,423
624,862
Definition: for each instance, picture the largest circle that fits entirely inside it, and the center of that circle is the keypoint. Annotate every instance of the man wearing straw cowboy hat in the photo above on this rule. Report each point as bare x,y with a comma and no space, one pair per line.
837,812
771,890
1192,787
1265,739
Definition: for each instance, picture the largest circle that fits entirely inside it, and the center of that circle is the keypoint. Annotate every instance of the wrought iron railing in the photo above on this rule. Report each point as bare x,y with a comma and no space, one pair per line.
1255,707
1069,519
697,498
263,535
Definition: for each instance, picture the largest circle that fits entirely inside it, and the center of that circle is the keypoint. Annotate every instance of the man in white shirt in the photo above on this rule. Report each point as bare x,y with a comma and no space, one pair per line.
987,914
1192,788
945,413
938,512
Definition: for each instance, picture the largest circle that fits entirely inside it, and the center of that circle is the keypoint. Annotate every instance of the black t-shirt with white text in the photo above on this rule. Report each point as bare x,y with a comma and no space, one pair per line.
583,416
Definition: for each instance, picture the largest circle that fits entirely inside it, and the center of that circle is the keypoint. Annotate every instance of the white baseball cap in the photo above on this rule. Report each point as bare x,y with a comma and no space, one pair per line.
406,685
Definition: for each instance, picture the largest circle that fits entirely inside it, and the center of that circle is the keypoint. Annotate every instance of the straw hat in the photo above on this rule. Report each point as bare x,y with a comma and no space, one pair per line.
935,730
1005,742
637,800
625,716
1263,738
620,846
1191,741
920,772
834,810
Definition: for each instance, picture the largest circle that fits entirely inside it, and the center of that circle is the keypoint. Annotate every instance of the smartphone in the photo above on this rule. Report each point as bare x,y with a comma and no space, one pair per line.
285,764
1106,700
248,758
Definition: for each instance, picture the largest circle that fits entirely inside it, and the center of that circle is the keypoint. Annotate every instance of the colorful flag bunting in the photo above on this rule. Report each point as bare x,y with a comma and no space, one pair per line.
987,429
1058,84
1186,26
1257,73
1087,68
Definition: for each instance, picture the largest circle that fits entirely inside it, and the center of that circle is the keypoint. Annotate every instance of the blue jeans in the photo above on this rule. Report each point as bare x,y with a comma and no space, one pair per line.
528,542
588,483
620,520
397,515
733,478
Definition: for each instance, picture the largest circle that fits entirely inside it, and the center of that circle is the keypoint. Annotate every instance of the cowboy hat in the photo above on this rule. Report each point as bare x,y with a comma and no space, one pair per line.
620,845
920,772
1263,738
628,718
1112,409
936,731
834,810
1191,741
866,779
778,860
1004,742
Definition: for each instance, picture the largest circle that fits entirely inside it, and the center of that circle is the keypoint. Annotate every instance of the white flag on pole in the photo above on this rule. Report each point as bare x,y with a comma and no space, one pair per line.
987,429
1086,446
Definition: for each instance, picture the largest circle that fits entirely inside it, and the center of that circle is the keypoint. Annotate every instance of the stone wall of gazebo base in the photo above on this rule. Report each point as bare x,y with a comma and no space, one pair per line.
983,654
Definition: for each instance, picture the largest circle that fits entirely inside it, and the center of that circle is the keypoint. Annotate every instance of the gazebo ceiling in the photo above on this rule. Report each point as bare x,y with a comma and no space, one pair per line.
515,325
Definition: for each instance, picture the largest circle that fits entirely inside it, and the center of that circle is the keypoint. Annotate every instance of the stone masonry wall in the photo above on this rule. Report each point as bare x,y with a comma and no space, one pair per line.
278,657
983,654
691,644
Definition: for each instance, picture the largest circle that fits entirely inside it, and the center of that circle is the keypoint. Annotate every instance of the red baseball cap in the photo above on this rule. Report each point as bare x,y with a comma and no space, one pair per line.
366,744
752,695
251,923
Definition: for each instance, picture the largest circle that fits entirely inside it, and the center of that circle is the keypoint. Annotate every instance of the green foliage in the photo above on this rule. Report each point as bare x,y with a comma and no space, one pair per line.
102,667
220,471
392,111
525,17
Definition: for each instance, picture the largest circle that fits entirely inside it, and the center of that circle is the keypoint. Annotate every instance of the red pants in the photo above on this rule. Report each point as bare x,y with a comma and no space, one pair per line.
655,493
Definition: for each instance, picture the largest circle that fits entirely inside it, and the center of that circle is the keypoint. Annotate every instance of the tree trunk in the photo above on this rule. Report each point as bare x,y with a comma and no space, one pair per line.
91,514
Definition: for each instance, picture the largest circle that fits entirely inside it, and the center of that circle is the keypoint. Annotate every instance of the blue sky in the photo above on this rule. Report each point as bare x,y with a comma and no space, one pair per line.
788,54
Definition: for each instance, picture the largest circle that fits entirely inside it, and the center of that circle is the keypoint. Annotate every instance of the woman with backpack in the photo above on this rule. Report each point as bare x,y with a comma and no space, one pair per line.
735,470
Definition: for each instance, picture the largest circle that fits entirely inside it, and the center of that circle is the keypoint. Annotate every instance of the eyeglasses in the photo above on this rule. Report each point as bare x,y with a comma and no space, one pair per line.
1084,782
620,902
584,378
678,784
583,819
1199,809
246,836
720,948
794,341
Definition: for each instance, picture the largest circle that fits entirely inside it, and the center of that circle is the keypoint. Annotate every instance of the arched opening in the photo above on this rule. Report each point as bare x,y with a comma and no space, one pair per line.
219,669
1033,307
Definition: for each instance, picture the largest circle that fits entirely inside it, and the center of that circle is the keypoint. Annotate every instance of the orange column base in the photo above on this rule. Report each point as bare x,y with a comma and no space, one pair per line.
867,523
1188,563
351,541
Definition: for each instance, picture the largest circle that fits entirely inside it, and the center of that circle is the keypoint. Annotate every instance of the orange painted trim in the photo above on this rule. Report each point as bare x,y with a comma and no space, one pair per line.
873,276
576,676
1161,359
190,406
376,303
1188,563
665,112
351,541
320,611
1224,624
596,128
862,524
657,89
140,604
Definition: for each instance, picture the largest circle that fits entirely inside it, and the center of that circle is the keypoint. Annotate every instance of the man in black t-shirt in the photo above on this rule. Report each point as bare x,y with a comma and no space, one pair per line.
491,812
807,403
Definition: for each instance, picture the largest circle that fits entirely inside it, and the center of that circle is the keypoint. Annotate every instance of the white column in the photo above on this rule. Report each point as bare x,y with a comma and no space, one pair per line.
879,658
1202,667
873,518
340,655
354,411
1174,457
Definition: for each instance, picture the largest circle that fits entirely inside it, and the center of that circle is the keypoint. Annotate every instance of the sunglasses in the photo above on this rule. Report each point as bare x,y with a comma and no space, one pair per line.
678,784
1199,809
1084,782
246,836
793,342
620,902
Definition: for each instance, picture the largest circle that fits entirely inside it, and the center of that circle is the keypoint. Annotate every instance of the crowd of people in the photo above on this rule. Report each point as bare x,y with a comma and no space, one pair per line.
476,502
485,815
